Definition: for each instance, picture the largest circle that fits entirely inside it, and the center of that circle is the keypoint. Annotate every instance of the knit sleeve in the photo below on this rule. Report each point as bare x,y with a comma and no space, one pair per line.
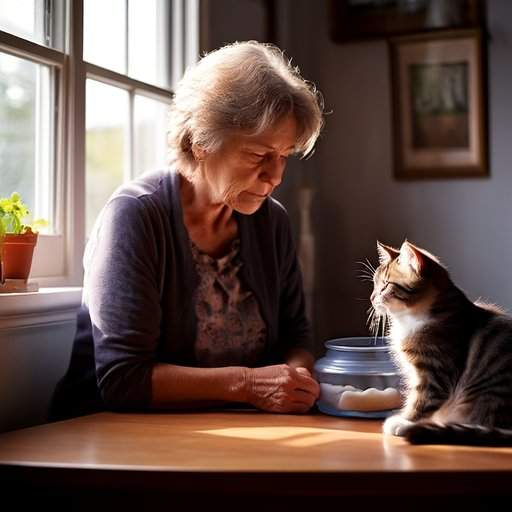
122,294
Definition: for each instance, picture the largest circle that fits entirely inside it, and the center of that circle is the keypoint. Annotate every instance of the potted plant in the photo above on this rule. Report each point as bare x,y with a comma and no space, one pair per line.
17,239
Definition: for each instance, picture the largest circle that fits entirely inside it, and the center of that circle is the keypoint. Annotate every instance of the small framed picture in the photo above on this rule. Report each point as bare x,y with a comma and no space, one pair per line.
439,105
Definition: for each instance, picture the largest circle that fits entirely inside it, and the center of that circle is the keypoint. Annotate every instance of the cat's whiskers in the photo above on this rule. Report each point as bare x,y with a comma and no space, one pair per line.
384,326
368,267
375,327
380,323
375,321
371,316
366,273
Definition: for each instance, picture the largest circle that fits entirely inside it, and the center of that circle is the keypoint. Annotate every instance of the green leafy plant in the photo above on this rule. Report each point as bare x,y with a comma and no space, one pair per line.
12,214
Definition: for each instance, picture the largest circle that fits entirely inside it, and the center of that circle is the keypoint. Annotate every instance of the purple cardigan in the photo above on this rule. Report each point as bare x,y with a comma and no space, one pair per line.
140,278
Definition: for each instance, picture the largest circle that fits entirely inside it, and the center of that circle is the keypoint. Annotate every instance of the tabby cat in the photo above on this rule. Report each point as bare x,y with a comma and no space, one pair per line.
455,355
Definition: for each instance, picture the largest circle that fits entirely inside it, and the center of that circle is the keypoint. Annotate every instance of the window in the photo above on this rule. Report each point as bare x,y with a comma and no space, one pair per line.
26,131
84,109
106,145
40,21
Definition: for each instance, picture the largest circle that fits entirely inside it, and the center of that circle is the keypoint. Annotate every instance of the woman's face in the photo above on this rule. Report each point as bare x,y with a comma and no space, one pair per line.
246,169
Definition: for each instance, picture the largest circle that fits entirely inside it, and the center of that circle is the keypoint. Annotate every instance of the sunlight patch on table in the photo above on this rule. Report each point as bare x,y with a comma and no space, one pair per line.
291,436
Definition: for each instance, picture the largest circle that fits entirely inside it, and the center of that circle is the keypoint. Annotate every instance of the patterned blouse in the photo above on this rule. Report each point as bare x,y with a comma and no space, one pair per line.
230,328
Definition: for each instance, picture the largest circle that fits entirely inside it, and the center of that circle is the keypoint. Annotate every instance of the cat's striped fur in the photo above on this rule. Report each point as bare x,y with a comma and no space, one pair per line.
456,355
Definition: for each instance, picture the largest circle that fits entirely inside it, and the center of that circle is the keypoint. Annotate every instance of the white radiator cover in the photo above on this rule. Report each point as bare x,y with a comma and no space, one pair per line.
36,337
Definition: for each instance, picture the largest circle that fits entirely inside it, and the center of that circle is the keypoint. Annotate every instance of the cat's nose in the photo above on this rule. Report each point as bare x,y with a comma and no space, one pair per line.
373,295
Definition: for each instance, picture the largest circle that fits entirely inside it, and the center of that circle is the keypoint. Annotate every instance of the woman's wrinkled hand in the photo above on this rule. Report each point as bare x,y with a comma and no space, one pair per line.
281,388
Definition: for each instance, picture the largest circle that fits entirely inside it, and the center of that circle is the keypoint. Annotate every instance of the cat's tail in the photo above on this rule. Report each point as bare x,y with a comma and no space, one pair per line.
457,433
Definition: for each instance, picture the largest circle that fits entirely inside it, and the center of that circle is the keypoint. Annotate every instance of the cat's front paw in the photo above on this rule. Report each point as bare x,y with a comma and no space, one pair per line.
396,425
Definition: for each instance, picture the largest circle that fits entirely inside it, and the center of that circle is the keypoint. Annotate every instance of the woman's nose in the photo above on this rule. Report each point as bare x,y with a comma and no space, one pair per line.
273,171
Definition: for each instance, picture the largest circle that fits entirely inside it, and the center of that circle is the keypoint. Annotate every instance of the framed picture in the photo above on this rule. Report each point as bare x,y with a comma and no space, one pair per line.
439,105
353,20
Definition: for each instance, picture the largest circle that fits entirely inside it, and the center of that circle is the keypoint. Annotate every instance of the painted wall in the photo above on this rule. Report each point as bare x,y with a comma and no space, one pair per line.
36,337
34,358
466,222
225,21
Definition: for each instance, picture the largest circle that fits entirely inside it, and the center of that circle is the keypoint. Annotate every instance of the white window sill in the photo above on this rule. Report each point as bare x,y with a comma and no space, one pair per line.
46,306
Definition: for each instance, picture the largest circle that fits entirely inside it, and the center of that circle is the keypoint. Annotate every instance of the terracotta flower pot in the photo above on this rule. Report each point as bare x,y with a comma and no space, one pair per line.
16,253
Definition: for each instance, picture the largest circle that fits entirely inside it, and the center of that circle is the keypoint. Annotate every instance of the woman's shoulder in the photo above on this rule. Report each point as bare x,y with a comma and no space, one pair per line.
153,189
151,183
144,200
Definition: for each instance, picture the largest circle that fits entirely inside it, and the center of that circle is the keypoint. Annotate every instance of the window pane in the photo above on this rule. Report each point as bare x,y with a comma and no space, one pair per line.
150,128
36,20
148,48
106,145
105,33
26,133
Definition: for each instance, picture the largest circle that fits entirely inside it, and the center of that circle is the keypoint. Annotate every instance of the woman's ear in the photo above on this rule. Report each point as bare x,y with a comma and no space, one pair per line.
198,152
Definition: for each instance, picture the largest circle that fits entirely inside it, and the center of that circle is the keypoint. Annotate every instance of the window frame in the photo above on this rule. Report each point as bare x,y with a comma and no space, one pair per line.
58,258
38,54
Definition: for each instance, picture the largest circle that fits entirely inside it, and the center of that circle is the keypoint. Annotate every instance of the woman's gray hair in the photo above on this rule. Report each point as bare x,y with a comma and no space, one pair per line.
242,87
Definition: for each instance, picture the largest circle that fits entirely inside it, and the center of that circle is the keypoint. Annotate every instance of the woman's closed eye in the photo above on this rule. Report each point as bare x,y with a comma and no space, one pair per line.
260,157
257,157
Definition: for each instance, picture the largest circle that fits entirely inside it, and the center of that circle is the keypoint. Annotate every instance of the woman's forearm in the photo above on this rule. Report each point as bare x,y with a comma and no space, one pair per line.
276,388
182,386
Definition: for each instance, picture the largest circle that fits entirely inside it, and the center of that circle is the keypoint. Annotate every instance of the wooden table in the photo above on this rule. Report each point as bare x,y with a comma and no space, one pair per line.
198,456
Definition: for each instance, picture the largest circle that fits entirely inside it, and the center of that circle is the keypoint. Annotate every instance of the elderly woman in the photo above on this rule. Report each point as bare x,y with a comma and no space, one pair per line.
193,294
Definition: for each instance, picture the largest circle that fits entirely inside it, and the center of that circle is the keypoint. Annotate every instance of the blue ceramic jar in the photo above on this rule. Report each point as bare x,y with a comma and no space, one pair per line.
358,378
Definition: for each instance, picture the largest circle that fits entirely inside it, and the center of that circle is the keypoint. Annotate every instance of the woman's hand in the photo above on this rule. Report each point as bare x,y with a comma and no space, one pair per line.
281,388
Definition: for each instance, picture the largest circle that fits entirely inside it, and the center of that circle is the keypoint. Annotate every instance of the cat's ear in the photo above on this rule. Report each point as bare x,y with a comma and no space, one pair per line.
386,253
411,257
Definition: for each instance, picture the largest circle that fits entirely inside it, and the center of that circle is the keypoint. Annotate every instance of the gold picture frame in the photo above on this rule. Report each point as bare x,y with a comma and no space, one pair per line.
439,105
